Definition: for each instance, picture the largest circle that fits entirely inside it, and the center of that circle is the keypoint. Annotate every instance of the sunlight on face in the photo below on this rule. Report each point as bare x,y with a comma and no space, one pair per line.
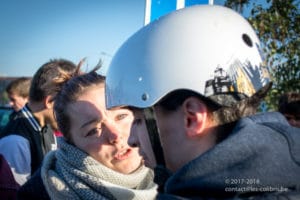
102,133
17,102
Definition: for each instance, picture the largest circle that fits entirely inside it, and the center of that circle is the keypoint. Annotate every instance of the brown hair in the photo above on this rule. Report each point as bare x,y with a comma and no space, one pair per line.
224,117
289,103
19,86
43,78
69,87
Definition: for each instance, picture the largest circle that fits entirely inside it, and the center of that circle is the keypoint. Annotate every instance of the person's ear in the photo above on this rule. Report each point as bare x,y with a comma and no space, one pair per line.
195,116
48,102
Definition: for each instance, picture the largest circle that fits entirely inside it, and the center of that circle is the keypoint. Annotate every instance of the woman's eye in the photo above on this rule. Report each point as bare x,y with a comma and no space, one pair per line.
95,131
120,117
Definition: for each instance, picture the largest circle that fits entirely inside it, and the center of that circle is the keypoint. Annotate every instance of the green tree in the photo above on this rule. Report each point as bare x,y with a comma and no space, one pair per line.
237,5
277,23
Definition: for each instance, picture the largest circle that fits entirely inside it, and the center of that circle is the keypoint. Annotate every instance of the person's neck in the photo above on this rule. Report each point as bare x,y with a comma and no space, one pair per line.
37,110
193,147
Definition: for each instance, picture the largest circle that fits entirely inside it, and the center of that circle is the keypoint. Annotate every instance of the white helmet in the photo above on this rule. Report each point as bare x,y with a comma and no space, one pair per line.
207,49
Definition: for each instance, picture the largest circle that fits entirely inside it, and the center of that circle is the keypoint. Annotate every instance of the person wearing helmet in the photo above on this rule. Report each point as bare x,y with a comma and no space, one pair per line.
201,71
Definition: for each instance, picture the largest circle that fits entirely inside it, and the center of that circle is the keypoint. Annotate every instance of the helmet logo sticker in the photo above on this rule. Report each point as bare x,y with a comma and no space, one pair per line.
248,79
240,78
221,83
243,77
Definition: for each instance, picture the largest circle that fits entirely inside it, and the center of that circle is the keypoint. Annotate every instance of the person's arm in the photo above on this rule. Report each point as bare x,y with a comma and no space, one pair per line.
16,150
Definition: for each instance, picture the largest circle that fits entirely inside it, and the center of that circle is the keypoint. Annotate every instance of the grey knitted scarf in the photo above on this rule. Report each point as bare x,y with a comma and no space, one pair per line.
69,173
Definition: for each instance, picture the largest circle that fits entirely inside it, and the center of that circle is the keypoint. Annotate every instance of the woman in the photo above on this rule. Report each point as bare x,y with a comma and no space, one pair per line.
93,160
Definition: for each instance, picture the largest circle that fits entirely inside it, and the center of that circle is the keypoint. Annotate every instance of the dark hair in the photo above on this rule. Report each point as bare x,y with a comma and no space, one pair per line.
19,86
222,113
225,117
69,87
45,75
289,103
172,101
175,99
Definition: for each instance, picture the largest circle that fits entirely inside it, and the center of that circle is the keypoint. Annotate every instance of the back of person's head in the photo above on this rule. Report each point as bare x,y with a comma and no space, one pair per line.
289,106
289,103
69,87
46,73
19,86
207,51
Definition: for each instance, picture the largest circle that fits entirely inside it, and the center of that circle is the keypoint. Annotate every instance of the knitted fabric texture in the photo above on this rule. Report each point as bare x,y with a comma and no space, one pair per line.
69,173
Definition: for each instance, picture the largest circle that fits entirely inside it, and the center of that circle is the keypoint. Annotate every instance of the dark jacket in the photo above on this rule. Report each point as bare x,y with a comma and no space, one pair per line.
8,185
260,159
33,188
40,139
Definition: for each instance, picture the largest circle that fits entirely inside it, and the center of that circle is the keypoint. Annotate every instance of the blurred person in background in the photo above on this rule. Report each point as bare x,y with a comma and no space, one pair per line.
18,92
8,186
29,134
289,106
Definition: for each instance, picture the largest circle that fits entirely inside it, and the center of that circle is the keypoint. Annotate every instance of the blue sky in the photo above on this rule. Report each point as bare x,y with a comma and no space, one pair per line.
34,31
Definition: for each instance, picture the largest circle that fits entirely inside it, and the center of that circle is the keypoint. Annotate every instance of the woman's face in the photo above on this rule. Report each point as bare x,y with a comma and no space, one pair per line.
103,133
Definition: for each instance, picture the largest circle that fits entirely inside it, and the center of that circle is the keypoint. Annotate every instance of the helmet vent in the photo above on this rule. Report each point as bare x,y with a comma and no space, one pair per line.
247,40
145,97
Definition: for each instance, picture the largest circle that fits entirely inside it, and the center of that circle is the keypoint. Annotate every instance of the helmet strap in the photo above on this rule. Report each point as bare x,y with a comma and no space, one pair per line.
154,136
